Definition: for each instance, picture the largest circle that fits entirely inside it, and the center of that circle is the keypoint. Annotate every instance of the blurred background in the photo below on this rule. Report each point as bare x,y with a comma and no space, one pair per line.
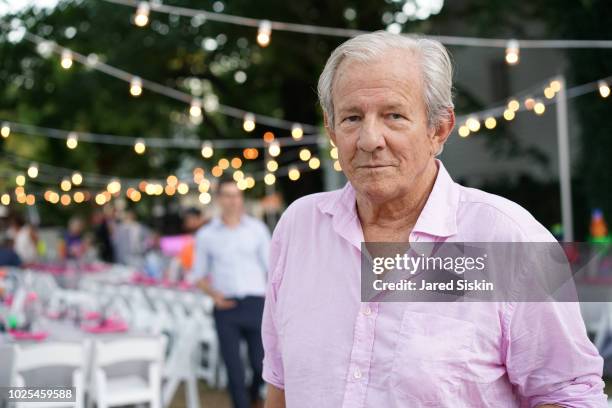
117,116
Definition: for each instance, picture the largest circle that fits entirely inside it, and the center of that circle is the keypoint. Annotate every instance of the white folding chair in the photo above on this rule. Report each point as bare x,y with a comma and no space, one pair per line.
127,389
73,356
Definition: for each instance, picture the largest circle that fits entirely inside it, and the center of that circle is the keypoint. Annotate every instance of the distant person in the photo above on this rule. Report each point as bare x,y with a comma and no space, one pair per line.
73,240
193,220
8,256
25,239
102,229
130,240
232,253
155,262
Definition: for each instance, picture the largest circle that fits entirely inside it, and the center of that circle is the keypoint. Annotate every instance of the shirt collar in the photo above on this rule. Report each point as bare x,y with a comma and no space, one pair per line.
438,217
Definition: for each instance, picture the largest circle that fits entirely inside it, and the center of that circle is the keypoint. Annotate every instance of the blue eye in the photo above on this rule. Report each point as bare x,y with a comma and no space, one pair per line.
395,116
353,118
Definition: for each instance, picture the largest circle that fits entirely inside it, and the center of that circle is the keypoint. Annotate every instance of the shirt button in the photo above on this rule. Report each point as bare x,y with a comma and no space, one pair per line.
367,311
357,373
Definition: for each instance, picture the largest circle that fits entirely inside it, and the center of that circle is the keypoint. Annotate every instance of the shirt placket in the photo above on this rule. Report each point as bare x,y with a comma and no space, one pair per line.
358,375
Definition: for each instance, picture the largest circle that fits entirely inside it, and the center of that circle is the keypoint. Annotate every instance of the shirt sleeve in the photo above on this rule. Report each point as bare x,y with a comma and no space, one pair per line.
200,257
272,364
549,357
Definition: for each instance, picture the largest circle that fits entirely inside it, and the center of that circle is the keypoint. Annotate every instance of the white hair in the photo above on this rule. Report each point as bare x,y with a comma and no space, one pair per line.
436,70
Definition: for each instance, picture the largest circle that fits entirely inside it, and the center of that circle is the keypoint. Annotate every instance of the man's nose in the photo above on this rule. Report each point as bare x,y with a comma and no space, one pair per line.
371,136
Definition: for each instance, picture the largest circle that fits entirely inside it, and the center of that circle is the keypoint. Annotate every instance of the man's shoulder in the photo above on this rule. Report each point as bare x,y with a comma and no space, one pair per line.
310,203
507,219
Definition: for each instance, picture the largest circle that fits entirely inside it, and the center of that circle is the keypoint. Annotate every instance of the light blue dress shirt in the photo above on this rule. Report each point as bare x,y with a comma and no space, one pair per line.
235,258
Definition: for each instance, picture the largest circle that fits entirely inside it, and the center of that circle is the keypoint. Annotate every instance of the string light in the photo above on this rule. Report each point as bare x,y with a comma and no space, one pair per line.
463,131
78,197
172,180
20,180
274,149
5,199
529,102
241,184
170,190
236,163
555,85
268,137
294,174
314,163
238,175
473,124
272,165
539,108
216,171
141,18
490,122
77,178
33,171
135,196
263,33
21,198
30,199
204,186
65,185
100,199
195,110
604,89
5,130
509,114
549,93
73,140
66,59
512,52
113,187
249,122
514,105
182,188
139,146
250,153
333,153
296,131
205,198
305,154
135,86
269,179
224,164
207,150
337,166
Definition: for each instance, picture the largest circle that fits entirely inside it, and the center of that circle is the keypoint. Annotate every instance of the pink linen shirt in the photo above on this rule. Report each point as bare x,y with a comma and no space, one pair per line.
326,348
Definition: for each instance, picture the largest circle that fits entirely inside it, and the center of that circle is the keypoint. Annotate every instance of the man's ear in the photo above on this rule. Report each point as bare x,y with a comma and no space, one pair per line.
442,131
329,128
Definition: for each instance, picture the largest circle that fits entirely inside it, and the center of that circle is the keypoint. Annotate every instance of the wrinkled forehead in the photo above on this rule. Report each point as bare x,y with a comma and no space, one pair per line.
397,73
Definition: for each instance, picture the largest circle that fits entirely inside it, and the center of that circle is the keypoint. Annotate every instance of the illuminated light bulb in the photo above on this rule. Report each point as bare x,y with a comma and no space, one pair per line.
268,137
139,146
238,175
555,85
490,122
172,180
195,109
107,195
113,187
136,86
293,174
241,184
529,102
204,186
604,89
33,171
5,130
182,188
207,150
250,182
512,52
549,93
296,131
333,153
150,189
314,163
77,178
21,198
5,199
274,149
337,166
20,180
250,153
236,163
249,122
73,140
30,199
129,191
142,186
272,165
66,59
141,18
78,197
473,124
305,154
463,131
224,164
269,179
204,198
47,195
514,105
136,196
170,190
100,199
216,171
54,198
539,108
509,114
264,33
65,199
19,190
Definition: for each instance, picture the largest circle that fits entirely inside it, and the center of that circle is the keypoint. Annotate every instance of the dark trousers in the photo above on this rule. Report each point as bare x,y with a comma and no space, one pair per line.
233,325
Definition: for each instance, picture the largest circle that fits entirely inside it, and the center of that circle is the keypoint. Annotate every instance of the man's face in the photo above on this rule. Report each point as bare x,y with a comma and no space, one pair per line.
380,124
230,199
192,222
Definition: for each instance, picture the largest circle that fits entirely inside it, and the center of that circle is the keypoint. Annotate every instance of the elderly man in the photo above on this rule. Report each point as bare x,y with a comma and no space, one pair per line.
388,108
